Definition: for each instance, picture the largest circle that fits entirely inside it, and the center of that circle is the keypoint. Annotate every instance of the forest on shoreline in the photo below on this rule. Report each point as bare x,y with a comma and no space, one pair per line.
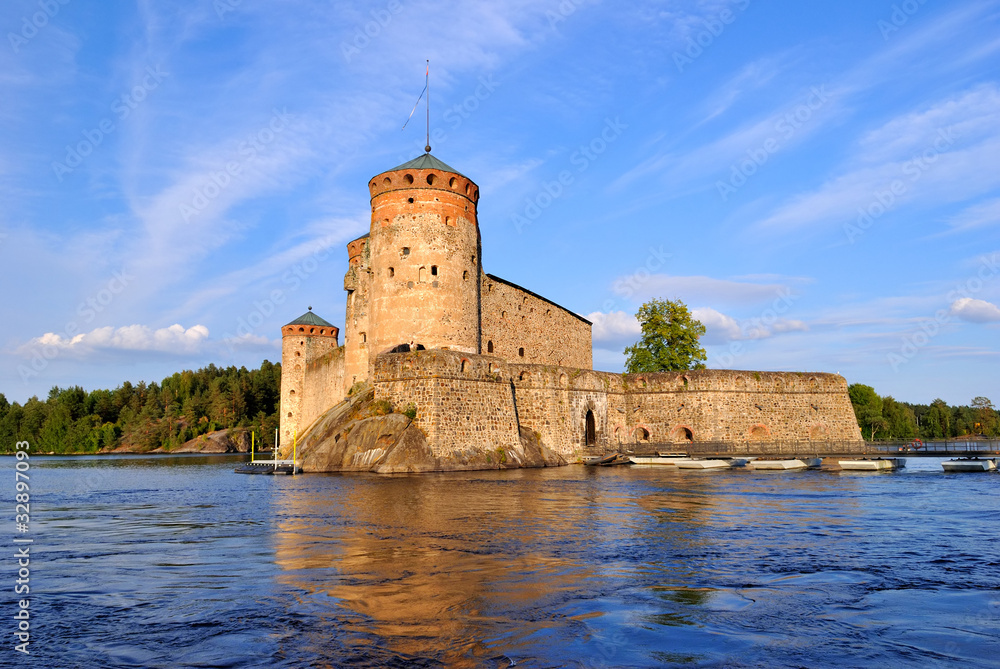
885,419
141,418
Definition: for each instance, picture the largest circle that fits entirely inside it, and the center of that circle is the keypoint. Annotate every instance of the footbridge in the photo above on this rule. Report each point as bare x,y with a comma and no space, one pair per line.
811,449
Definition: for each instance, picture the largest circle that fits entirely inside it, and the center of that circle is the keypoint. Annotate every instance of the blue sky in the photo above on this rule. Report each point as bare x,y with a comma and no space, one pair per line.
820,184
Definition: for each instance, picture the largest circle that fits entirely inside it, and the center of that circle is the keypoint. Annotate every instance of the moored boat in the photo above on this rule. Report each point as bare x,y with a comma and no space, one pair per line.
787,463
607,460
267,467
657,459
873,464
970,465
691,463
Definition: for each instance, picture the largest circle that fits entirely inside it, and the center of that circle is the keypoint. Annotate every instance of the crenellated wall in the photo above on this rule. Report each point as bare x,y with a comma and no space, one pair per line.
466,399
522,327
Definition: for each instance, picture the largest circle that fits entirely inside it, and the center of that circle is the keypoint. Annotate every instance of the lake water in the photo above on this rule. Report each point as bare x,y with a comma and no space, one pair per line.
179,562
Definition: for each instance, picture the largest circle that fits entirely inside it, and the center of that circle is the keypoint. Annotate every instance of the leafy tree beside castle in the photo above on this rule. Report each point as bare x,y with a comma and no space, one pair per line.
868,410
669,341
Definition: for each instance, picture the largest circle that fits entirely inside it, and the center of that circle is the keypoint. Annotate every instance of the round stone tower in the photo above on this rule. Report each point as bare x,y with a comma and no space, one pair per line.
424,257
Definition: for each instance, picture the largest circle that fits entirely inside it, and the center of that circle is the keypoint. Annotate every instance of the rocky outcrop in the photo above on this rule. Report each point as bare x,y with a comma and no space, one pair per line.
220,441
361,434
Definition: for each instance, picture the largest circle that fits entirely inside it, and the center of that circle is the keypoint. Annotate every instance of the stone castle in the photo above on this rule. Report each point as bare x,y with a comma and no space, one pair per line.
486,366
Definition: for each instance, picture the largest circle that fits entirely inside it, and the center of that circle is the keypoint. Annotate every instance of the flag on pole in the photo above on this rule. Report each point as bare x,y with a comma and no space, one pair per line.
427,75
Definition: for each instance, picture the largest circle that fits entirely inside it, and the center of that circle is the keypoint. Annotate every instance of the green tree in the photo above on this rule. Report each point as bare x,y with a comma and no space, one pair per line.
985,416
937,421
901,421
669,339
867,409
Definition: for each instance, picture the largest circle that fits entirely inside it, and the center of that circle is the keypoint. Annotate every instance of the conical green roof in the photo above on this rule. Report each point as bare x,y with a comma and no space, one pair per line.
426,162
309,318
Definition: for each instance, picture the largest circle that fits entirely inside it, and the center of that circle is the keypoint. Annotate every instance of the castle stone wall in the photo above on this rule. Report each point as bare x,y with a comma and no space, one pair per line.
461,400
324,377
468,399
701,406
522,327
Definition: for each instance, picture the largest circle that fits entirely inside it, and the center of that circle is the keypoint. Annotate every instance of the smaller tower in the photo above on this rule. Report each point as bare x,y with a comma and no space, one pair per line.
303,340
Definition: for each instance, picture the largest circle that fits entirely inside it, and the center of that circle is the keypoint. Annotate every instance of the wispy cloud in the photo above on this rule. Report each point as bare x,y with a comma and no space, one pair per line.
701,289
977,216
951,149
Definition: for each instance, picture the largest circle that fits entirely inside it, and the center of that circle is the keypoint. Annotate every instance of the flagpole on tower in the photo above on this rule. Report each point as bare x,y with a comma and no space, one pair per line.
427,83
427,91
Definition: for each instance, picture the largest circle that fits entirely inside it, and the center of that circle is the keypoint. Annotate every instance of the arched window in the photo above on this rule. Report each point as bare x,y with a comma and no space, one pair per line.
520,352
682,434
489,347
641,434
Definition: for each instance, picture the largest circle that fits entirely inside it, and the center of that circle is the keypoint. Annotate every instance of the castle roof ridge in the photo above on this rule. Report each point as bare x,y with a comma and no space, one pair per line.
426,161
309,318
542,298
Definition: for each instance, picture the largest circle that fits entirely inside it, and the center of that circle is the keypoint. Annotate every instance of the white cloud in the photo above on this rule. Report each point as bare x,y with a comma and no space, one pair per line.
720,327
614,326
975,311
620,327
174,339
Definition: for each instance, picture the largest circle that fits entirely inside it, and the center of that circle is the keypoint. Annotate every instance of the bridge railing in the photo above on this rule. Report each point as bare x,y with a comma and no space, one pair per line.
949,446
803,448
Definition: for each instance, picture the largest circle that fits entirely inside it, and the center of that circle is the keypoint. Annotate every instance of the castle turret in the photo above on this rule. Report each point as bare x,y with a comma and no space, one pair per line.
424,249
303,341
357,283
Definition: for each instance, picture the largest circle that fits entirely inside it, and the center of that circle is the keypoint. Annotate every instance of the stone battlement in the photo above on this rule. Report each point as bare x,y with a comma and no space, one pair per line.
573,409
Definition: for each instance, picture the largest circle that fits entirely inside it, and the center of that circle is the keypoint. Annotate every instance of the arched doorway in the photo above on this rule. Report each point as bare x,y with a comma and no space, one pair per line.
591,428
641,435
